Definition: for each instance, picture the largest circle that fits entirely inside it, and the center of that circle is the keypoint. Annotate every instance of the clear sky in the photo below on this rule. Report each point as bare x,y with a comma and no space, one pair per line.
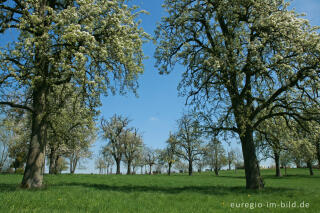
158,107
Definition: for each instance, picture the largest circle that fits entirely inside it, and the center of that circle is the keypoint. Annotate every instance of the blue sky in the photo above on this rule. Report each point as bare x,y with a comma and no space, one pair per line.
158,107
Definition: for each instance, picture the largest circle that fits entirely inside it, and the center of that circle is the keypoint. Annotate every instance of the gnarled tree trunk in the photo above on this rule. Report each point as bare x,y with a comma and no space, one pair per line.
33,177
251,165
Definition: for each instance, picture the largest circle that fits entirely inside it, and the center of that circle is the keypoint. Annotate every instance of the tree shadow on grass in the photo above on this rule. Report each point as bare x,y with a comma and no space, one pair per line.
291,176
8,187
226,176
209,190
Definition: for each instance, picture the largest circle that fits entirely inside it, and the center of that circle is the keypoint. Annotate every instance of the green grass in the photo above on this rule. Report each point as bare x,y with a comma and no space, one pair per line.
160,193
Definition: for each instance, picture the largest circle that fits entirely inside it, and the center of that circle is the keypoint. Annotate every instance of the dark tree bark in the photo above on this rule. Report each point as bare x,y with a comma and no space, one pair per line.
190,167
216,171
309,165
33,177
169,170
150,171
118,166
251,165
277,161
129,168
52,161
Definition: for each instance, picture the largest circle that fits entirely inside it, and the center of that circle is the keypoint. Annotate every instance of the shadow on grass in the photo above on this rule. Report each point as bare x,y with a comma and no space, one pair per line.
291,176
226,176
210,190
8,187
269,176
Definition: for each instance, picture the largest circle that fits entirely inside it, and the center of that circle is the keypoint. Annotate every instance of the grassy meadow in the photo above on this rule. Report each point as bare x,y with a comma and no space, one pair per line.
160,193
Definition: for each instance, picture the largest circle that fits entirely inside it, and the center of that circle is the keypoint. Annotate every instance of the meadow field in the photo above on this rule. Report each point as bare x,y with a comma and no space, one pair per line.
204,192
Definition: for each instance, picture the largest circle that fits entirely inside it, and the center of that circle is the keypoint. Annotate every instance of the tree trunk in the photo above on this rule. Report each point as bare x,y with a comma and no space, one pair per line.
129,168
57,170
141,170
52,161
216,171
133,170
150,171
277,161
309,165
118,166
190,167
33,177
44,163
169,170
73,163
251,165
229,163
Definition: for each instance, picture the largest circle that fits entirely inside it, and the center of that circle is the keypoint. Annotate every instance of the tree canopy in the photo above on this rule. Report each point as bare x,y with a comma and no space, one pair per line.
244,62
95,45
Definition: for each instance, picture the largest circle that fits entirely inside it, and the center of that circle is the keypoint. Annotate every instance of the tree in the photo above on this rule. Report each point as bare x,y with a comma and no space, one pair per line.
303,142
240,58
215,155
101,165
189,140
285,160
150,158
71,127
94,44
274,134
18,150
239,160
113,132
201,162
181,166
6,141
61,164
132,145
318,152
168,155
109,161
231,157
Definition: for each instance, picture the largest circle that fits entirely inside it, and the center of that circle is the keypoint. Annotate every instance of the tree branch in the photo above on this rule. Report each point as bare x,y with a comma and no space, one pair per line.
13,105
